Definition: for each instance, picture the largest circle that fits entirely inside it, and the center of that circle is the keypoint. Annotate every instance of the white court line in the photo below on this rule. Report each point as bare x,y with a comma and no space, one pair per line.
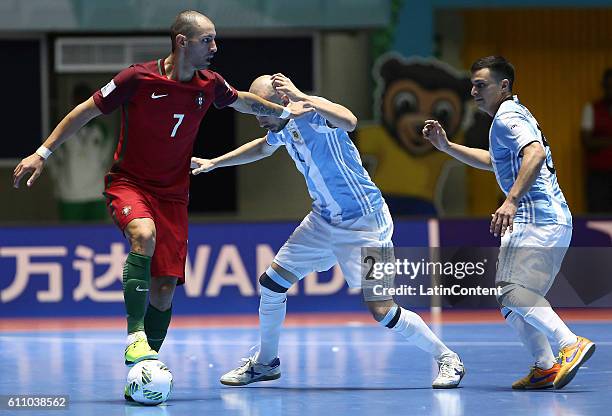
77,340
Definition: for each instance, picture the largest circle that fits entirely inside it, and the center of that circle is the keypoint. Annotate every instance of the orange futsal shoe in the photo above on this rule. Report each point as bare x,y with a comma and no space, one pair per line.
537,378
571,358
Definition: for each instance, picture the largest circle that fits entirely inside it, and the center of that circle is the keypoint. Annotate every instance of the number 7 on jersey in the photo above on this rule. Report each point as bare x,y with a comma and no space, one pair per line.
178,123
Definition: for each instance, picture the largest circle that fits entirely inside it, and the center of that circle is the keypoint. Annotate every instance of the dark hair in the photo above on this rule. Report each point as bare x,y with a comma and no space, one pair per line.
606,76
498,65
185,24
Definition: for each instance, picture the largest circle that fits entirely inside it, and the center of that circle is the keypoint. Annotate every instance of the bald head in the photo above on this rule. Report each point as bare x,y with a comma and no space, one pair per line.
188,23
262,87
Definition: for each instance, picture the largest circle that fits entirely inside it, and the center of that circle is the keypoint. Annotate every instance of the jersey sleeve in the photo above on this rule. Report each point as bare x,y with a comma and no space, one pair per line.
324,124
274,139
118,91
225,94
515,131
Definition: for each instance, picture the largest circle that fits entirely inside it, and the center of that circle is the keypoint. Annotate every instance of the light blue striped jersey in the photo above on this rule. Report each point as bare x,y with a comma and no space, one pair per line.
337,182
513,128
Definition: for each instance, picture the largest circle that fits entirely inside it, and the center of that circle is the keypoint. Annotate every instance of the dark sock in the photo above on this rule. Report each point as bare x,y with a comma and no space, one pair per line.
156,325
136,278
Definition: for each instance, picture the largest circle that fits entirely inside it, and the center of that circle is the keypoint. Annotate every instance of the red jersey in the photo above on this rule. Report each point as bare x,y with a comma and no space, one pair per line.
160,119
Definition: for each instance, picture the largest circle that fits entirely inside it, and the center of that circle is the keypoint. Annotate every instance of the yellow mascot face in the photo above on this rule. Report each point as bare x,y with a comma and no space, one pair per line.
412,91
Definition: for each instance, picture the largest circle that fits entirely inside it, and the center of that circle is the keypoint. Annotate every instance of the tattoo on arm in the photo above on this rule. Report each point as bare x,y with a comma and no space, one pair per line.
261,110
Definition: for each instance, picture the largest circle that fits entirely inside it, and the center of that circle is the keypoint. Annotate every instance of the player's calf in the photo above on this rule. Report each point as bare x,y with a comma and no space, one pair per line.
265,364
272,311
136,282
410,325
159,312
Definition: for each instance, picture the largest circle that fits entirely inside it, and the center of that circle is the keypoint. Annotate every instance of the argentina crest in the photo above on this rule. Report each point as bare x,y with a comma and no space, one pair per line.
295,135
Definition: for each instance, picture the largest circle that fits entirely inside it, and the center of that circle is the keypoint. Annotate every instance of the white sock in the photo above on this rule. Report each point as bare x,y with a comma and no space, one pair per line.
415,330
535,341
548,322
272,310
536,310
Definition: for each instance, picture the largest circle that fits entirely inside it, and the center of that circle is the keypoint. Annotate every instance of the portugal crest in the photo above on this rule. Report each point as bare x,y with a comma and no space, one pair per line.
200,99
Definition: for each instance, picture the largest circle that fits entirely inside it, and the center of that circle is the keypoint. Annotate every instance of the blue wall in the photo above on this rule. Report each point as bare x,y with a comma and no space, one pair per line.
76,271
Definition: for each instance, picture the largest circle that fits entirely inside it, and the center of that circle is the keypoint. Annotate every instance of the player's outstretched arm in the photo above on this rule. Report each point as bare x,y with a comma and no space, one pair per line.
74,120
336,114
477,158
247,153
252,104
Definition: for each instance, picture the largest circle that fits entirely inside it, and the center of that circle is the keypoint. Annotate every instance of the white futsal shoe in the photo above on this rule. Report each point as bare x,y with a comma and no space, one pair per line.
252,371
450,372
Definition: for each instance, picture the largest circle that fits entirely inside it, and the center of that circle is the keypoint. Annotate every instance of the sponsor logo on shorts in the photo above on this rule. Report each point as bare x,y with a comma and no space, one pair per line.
126,210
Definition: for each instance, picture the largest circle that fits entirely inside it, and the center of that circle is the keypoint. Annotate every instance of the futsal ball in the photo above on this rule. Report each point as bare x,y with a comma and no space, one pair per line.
149,382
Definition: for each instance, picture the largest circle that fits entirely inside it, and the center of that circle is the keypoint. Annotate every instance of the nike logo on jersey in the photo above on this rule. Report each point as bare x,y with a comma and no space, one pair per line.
155,96
139,289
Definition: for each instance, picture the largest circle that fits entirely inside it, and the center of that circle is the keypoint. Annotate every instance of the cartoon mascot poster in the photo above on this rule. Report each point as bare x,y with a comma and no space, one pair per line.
415,178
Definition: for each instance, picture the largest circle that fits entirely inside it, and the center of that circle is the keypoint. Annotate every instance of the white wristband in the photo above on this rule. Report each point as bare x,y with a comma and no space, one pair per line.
286,113
43,152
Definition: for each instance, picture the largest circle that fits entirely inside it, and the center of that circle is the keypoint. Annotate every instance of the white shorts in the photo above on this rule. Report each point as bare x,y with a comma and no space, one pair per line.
532,254
316,245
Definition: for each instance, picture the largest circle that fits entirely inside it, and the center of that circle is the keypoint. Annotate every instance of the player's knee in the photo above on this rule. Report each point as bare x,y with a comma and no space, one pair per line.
273,293
165,294
499,298
273,281
142,238
506,287
514,295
